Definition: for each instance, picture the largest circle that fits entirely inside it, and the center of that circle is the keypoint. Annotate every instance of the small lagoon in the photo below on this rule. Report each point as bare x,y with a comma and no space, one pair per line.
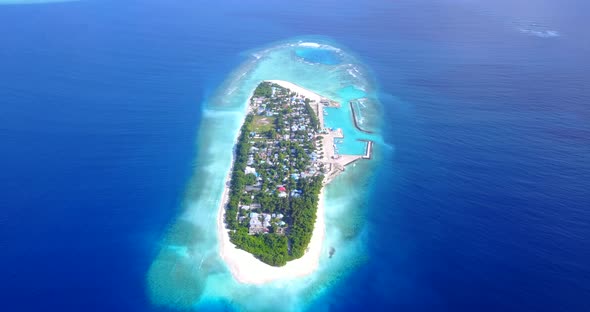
320,55
191,246
354,141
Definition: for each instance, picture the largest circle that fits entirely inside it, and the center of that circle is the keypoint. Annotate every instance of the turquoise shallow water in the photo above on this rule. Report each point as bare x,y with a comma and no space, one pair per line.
483,204
353,142
318,55
188,270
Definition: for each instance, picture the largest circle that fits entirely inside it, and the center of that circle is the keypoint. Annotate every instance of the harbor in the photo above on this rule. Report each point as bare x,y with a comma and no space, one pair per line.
329,139
334,161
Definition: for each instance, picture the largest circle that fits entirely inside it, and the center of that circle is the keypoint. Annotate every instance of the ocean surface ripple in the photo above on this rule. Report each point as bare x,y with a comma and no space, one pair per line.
188,270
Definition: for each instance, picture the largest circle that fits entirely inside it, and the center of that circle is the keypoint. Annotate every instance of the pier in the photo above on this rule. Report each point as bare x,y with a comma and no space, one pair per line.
333,163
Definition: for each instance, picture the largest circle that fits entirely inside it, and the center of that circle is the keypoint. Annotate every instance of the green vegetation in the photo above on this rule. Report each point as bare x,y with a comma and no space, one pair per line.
303,211
238,177
273,249
282,183
315,123
263,124
264,89
270,249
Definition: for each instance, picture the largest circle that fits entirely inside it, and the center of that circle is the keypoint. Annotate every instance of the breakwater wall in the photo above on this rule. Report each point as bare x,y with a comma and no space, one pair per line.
354,119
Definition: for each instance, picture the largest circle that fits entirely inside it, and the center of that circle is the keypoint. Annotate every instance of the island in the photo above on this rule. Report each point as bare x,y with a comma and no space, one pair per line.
282,159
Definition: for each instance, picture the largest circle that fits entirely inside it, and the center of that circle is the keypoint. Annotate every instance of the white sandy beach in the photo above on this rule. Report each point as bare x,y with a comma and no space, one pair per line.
247,269
295,88
244,267
307,93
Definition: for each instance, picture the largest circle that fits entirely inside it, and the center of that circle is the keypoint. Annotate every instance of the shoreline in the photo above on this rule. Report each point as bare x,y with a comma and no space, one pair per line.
297,89
244,267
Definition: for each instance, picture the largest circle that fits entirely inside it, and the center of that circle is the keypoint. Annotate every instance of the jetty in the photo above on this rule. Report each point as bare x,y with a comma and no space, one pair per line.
332,162
368,150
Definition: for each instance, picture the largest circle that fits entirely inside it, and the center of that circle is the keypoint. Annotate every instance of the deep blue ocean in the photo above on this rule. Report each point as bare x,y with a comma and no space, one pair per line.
483,206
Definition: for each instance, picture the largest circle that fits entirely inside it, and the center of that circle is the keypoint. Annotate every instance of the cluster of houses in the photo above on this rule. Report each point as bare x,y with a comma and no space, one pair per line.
261,223
279,156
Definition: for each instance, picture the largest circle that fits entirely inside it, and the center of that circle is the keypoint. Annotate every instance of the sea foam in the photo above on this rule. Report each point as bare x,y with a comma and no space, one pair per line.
194,275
